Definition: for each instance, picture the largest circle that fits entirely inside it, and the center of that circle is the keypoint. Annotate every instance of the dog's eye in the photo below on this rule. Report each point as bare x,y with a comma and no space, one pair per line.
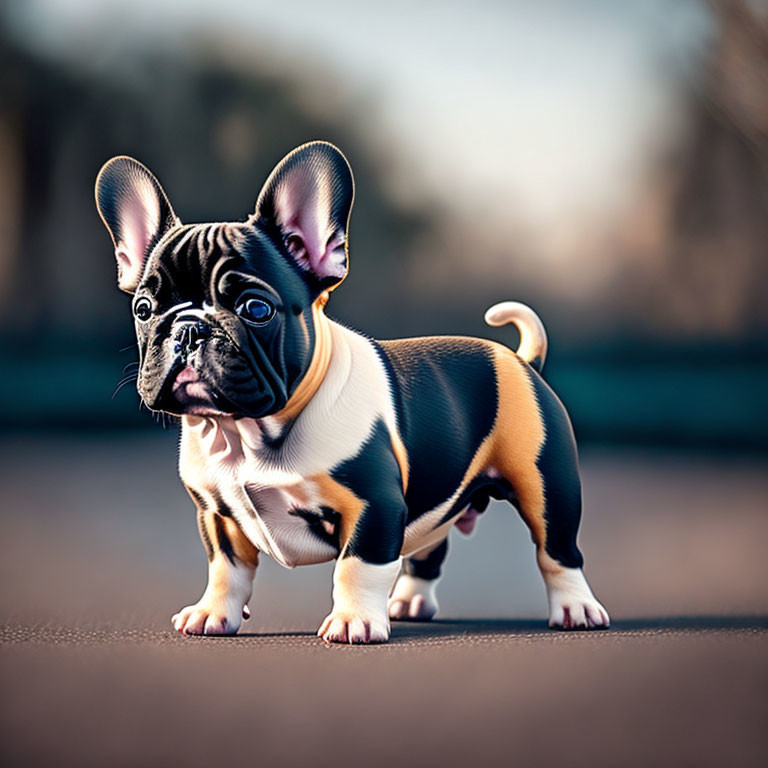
255,311
142,309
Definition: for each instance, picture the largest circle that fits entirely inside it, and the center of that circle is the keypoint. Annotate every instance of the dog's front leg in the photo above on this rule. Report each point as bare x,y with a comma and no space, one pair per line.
232,561
369,495
360,592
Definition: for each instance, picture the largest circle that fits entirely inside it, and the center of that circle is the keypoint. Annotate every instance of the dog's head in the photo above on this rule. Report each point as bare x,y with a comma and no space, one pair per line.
225,313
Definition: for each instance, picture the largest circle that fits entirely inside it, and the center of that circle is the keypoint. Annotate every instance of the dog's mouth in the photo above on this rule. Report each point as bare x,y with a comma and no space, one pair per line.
188,387
193,395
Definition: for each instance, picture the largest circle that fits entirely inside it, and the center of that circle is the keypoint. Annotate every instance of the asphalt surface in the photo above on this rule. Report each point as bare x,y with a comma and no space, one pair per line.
99,549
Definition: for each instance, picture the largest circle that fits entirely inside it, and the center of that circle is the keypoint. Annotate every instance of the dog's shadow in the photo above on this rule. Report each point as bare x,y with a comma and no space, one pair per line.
455,628
447,629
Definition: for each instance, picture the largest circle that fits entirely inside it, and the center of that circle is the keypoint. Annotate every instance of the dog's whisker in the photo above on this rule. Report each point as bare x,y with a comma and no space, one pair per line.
123,382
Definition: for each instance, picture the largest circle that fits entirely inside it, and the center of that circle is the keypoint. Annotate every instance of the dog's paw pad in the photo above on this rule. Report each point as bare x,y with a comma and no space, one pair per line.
340,627
412,599
581,614
200,619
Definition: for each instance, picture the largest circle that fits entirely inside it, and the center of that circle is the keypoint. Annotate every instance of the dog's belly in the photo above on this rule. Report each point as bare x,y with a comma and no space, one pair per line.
431,527
296,533
473,494
297,526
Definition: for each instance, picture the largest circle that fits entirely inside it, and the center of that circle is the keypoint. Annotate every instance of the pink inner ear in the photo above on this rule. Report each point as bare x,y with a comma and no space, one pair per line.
139,223
303,208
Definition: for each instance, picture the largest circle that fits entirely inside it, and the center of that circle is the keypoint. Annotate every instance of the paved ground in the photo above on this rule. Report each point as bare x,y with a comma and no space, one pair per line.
99,548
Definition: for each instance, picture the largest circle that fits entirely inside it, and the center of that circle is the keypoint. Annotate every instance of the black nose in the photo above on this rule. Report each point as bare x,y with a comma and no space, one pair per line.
189,335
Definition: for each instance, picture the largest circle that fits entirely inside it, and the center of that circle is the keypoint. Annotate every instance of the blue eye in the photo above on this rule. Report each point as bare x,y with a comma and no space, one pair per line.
255,311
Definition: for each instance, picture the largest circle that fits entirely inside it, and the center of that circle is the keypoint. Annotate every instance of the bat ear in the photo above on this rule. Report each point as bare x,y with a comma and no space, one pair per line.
136,211
307,200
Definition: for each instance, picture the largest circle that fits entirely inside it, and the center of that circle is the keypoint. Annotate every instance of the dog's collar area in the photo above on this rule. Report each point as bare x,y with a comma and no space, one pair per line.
318,366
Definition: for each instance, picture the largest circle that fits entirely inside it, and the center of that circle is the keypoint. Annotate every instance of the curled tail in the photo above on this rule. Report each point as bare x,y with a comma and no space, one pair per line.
533,337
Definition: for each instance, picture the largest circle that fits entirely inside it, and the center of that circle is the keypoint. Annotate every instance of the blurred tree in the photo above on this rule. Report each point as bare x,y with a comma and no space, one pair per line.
701,232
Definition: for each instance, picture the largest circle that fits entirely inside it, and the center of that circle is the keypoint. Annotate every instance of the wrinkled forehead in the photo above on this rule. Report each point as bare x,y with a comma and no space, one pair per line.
209,263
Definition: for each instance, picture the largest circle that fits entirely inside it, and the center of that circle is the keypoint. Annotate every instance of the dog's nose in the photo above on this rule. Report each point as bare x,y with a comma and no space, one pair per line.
189,334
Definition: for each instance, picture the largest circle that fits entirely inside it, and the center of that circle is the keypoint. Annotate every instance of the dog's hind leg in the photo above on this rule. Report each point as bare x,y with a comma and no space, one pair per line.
571,602
413,598
540,462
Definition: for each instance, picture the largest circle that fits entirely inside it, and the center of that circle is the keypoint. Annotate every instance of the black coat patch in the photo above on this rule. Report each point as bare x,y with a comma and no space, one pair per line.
374,476
428,567
559,467
445,399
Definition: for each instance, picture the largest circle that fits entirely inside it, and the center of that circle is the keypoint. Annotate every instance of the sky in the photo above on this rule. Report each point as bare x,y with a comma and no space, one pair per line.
536,112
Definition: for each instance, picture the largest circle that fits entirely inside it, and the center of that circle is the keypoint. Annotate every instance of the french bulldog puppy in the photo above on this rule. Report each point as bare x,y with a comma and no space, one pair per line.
307,441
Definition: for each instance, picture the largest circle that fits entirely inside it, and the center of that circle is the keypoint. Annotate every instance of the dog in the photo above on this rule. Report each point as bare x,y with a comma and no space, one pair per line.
309,442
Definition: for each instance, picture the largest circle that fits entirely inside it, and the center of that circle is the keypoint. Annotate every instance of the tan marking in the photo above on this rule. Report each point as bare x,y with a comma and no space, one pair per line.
342,500
517,437
321,358
548,566
511,448
241,544
513,444
207,521
401,456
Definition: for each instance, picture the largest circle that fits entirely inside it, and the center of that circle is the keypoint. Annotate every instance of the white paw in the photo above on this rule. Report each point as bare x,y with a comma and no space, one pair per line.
567,613
343,627
208,618
572,604
413,599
